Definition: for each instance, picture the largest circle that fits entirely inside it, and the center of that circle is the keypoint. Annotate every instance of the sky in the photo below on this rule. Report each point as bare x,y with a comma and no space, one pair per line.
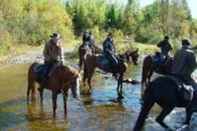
192,5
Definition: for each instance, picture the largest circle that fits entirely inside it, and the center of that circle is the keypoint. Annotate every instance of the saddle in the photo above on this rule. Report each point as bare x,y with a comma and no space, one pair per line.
42,71
185,92
103,63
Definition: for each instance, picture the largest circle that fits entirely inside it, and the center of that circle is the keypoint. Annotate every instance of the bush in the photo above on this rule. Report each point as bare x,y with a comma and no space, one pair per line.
6,41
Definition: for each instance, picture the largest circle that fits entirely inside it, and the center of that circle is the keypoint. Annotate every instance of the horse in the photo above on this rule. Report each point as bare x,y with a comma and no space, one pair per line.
61,79
149,67
165,92
90,64
84,50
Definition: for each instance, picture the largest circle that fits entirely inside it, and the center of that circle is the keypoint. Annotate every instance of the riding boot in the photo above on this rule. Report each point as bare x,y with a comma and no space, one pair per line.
114,68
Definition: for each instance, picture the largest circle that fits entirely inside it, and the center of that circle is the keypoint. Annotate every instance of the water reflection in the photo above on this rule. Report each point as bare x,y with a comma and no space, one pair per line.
38,119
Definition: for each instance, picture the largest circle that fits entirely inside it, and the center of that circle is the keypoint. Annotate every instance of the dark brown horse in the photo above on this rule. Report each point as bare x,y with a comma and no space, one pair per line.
84,50
165,92
91,64
62,79
149,67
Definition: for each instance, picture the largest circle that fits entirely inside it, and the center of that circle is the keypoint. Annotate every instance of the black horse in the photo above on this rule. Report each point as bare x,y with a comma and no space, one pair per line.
165,92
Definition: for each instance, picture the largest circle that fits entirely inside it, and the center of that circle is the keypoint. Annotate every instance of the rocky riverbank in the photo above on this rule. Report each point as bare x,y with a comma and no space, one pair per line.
28,57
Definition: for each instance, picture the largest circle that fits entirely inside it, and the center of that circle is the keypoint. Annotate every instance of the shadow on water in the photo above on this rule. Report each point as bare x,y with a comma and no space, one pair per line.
98,111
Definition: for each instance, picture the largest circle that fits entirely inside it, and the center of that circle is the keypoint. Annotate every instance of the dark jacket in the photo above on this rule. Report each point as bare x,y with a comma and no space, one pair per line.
184,63
165,46
108,46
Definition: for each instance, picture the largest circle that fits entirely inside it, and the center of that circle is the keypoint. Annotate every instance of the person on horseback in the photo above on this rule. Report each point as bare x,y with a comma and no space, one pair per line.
92,42
86,41
109,51
85,36
91,38
165,47
184,64
53,53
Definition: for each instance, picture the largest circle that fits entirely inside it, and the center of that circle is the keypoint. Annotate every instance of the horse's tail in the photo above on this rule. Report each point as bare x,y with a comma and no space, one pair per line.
31,82
144,77
143,73
146,73
148,102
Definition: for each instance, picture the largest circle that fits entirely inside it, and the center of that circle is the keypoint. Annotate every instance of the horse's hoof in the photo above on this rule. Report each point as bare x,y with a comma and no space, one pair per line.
120,97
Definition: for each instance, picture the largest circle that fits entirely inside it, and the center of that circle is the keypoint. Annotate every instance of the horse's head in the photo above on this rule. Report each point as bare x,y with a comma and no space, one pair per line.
134,55
73,78
74,86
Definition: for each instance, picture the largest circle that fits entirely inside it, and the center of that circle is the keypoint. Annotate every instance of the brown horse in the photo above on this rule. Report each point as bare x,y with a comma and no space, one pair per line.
61,79
148,68
84,50
90,65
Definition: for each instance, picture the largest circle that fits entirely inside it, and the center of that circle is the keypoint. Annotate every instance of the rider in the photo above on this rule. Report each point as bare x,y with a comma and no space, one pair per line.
109,50
86,42
185,63
91,38
165,47
85,37
53,53
91,41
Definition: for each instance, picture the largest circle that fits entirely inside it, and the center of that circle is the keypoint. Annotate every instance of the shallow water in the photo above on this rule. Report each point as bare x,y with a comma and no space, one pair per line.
98,112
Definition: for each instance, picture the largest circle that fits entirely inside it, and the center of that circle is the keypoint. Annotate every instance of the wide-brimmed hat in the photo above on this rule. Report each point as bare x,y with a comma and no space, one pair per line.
55,35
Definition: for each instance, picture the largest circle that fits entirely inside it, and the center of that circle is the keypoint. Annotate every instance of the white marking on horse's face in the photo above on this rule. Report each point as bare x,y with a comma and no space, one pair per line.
78,87
74,86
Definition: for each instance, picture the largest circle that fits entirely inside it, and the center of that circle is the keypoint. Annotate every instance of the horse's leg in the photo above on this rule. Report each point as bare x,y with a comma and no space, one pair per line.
143,114
65,95
120,86
90,75
149,76
41,90
189,113
33,91
162,115
30,86
80,63
84,77
54,100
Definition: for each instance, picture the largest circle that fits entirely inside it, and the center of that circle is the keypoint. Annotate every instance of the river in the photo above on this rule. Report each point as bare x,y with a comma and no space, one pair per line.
97,112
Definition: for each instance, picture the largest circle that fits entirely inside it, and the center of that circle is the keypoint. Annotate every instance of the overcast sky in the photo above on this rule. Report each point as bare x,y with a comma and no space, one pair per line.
192,5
